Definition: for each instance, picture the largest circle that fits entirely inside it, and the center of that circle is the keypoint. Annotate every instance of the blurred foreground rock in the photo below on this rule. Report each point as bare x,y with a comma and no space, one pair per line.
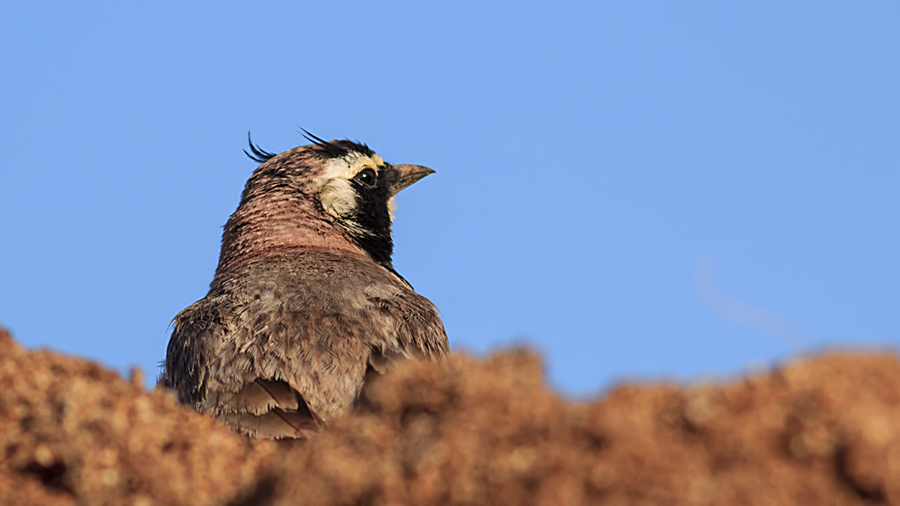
820,431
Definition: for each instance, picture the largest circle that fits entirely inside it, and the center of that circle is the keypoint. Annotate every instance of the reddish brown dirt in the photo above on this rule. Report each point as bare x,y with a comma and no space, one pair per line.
819,431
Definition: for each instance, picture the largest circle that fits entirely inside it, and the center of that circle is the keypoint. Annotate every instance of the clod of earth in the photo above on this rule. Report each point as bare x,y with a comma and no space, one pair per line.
818,431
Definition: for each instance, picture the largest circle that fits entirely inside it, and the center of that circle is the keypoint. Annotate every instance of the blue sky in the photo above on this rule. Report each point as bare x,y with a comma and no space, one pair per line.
641,190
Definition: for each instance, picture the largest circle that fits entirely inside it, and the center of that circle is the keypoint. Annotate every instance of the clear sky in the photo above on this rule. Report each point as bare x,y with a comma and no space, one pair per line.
641,190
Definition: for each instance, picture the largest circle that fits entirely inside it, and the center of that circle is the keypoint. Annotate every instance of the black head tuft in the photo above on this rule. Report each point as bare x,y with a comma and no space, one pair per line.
335,149
258,155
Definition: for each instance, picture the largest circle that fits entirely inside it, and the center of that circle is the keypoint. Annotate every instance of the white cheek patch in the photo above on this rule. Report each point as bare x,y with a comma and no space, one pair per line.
338,198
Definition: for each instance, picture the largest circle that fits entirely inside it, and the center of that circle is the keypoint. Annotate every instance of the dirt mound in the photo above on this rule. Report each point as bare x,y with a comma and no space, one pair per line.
819,431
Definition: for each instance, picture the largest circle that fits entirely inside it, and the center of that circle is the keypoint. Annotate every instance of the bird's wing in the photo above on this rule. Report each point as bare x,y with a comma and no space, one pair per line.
409,323
209,367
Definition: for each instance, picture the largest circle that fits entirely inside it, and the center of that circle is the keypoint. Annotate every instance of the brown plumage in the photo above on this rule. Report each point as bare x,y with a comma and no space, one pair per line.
305,302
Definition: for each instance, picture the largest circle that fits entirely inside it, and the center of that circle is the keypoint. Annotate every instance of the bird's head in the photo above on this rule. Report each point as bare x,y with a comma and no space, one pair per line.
317,195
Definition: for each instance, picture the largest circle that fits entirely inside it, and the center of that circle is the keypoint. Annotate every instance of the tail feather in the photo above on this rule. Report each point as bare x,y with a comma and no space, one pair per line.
275,424
267,409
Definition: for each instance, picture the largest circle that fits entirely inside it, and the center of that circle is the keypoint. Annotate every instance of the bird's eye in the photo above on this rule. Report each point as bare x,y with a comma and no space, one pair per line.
367,177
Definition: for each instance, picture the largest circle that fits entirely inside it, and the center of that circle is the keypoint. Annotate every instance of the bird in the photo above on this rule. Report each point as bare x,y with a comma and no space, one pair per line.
305,306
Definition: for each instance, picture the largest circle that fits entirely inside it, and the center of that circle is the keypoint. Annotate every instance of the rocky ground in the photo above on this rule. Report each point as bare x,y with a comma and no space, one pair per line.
818,431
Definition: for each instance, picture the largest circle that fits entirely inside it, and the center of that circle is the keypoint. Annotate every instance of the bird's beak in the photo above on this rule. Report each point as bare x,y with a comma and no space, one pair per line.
407,175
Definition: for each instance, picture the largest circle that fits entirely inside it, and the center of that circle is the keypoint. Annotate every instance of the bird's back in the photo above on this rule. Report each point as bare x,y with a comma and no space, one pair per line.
285,341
